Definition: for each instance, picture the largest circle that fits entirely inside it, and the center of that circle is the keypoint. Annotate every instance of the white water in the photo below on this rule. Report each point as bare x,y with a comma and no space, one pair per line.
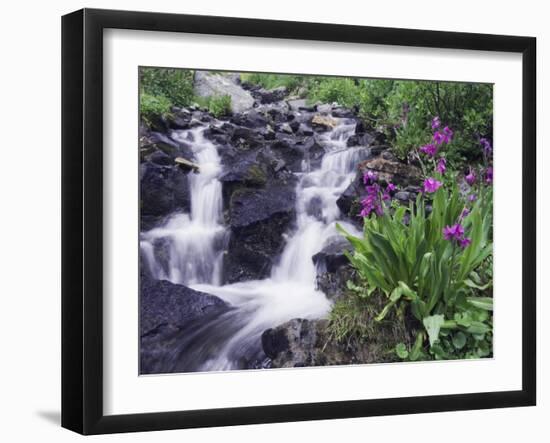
194,241
290,292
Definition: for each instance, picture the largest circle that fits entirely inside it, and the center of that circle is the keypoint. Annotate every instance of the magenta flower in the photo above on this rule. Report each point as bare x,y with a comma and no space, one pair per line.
372,202
454,232
431,185
472,197
470,178
369,177
487,148
464,242
429,150
436,123
448,134
444,136
439,138
441,166
391,187
464,213
489,175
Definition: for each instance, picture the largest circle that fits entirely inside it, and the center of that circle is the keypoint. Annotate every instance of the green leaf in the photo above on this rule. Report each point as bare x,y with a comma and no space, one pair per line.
477,327
459,340
485,303
416,350
433,325
401,351
473,285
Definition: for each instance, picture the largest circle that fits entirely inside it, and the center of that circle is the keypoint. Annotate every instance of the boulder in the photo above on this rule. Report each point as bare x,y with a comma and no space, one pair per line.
331,257
258,220
208,84
302,342
291,152
265,96
166,310
323,123
163,190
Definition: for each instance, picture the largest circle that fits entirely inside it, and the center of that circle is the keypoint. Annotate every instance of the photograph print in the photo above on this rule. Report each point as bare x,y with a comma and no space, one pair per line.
294,221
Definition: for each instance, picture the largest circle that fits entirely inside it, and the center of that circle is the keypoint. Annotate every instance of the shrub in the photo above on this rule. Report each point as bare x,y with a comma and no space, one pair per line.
271,81
176,85
427,264
152,106
218,106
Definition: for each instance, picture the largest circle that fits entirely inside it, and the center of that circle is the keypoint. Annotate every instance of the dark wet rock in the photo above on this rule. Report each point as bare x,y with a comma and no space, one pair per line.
249,119
366,139
342,113
314,208
334,284
332,256
167,309
244,138
290,152
180,119
301,342
155,141
393,171
403,196
347,202
265,96
160,158
163,190
314,152
258,220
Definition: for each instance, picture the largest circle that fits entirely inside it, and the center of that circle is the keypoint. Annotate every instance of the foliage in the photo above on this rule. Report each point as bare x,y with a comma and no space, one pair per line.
351,318
152,106
270,81
217,105
434,277
467,107
176,85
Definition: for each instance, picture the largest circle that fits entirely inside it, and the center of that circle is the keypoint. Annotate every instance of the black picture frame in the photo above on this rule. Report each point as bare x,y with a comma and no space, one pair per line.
82,218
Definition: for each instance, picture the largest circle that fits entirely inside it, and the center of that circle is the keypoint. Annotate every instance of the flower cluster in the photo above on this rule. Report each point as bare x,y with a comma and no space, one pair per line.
431,185
430,150
372,203
444,136
487,148
455,234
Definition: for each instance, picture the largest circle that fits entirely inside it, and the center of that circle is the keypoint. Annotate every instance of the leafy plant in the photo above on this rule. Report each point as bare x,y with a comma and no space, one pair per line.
423,270
152,106
217,105
176,85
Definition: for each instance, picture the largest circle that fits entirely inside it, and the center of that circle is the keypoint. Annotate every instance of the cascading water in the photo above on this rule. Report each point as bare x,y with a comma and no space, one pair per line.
194,241
232,340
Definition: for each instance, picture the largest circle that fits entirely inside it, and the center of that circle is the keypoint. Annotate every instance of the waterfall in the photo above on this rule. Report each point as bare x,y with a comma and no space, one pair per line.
195,245
192,242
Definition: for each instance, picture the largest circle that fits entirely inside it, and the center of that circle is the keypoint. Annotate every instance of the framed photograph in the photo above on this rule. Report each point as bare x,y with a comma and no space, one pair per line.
270,221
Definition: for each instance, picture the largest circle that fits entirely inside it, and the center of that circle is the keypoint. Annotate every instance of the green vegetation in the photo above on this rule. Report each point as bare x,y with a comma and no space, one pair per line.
175,85
218,106
163,88
420,271
401,108
270,81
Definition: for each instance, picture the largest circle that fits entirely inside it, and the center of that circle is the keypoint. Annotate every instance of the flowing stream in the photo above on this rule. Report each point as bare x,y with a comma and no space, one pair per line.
194,243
